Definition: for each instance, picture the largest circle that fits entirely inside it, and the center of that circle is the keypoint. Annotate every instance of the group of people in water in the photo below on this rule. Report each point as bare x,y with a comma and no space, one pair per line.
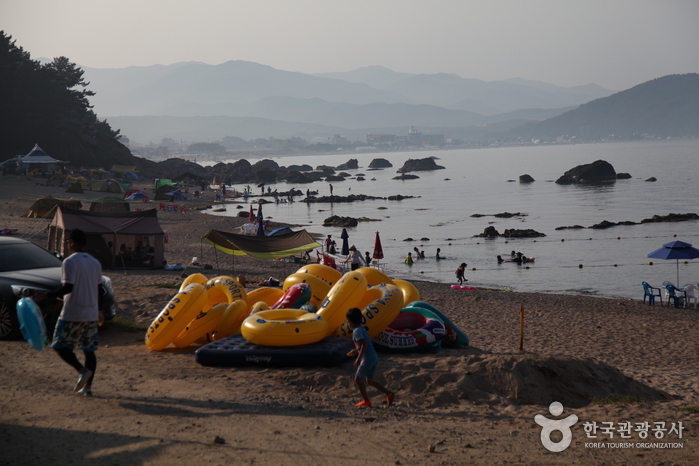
516,257
420,254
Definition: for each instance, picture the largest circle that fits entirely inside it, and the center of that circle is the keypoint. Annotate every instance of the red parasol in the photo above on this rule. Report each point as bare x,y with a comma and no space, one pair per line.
251,216
378,250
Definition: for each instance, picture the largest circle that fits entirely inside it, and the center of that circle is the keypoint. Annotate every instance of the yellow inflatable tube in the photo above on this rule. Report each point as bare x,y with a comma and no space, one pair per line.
268,294
410,293
257,307
380,306
345,294
233,317
202,325
374,276
284,327
325,273
319,288
224,289
181,309
194,278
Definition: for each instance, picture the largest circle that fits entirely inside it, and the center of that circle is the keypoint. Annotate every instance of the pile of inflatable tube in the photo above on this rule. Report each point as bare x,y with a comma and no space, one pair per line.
310,306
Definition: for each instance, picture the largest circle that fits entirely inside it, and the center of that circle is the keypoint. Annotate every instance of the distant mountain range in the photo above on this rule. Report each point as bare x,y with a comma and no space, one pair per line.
199,102
663,107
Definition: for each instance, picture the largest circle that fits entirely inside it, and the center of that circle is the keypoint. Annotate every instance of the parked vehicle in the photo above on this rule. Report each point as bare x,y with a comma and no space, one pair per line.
26,269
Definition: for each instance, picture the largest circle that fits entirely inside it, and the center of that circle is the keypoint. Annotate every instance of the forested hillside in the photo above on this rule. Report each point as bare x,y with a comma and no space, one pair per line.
663,107
49,105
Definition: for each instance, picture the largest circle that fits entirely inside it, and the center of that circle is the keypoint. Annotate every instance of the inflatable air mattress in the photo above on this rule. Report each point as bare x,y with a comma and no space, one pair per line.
237,351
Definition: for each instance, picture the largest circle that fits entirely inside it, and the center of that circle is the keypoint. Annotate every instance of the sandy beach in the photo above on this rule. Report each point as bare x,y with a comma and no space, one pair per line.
612,361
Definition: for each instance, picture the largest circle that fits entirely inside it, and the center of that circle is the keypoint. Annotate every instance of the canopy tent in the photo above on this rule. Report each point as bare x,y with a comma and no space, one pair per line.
109,186
261,247
38,159
109,204
129,239
45,207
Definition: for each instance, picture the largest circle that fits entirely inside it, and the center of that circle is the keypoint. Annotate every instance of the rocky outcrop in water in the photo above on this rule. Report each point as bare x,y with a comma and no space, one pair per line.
491,232
340,222
380,163
417,165
596,172
604,224
351,164
526,179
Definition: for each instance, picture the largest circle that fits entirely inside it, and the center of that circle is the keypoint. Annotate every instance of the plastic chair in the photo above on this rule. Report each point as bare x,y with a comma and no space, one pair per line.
651,293
691,292
673,294
663,290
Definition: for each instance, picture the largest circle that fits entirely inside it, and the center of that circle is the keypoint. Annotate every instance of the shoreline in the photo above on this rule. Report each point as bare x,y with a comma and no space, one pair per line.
601,356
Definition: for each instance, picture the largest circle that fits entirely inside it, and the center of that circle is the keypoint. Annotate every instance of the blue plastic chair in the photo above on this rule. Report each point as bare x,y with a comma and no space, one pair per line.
651,293
675,294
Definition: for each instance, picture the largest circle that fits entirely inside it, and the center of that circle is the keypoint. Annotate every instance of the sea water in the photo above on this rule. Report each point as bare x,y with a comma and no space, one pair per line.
605,262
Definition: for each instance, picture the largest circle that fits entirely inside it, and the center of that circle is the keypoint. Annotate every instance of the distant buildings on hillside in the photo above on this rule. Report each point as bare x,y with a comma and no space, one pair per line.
413,138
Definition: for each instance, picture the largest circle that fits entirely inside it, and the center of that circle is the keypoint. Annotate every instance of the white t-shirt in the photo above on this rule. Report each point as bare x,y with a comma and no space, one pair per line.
84,272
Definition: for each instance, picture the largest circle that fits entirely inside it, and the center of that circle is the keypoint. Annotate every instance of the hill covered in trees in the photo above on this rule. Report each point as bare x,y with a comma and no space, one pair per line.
663,107
48,105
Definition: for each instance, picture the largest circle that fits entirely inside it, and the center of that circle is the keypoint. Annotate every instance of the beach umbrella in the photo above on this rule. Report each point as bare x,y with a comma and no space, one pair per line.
251,216
260,221
345,242
378,250
675,250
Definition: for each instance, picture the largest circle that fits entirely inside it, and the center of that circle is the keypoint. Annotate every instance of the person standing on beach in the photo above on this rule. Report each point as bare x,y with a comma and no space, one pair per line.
355,258
367,360
460,271
367,258
81,275
331,190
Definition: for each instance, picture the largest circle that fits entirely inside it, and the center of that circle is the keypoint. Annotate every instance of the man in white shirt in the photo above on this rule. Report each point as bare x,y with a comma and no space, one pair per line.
81,275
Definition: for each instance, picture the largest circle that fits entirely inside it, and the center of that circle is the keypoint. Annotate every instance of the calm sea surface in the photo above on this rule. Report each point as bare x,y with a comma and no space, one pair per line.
475,181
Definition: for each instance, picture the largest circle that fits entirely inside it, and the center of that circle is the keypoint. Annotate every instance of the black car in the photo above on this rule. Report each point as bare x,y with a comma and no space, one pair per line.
26,268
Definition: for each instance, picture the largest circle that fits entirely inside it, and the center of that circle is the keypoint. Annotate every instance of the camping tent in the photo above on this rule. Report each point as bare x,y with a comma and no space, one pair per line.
109,186
161,193
130,239
261,247
45,207
75,188
109,204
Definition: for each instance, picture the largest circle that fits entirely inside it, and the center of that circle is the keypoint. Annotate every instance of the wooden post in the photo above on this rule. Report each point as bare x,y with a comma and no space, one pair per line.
521,328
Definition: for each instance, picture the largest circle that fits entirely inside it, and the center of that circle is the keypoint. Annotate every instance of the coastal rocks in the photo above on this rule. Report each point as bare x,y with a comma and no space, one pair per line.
266,175
399,197
340,222
526,179
380,163
652,178
501,215
351,164
596,172
340,199
623,176
300,168
295,177
528,233
571,227
491,232
406,176
417,165
334,178
671,218
604,224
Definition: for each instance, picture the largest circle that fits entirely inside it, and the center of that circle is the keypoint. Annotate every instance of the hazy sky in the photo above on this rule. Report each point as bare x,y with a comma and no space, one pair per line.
614,43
